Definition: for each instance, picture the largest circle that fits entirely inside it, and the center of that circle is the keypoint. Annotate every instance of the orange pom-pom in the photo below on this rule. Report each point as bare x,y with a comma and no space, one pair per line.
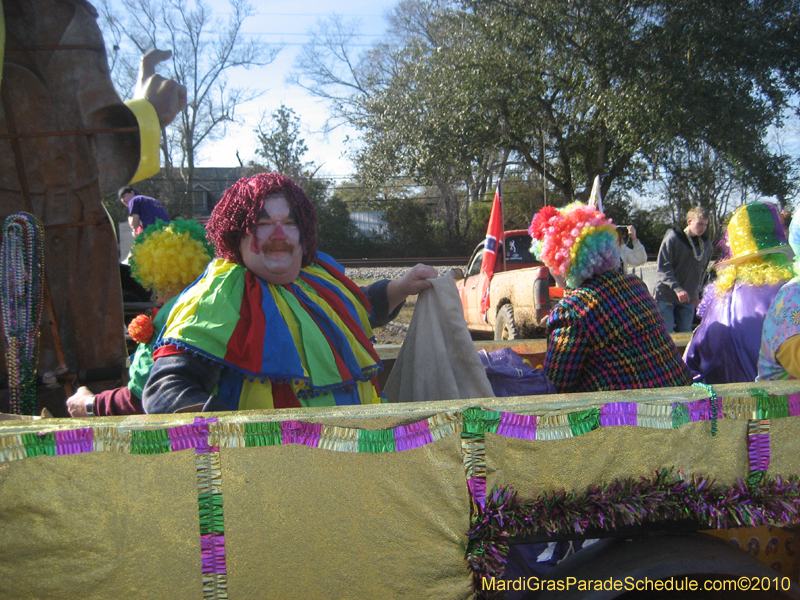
141,329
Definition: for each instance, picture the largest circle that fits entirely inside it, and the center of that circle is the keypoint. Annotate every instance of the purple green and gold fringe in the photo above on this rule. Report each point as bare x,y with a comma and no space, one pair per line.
107,438
300,432
663,498
74,441
713,405
150,441
473,453
500,515
414,435
477,422
793,400
473,422
522,427
758,450
619,413
770,407
209,498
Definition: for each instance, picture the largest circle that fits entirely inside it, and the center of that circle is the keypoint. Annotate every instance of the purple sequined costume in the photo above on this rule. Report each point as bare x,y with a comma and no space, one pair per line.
724,347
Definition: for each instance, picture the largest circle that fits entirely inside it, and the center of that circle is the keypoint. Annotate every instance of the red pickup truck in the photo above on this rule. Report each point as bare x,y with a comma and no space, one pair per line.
519,295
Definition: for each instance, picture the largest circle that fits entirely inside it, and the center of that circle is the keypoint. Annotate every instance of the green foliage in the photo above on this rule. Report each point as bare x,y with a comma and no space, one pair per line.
458,92
522,199
651,225
281,145
607,81
357,196
337,235
410,231
479,222
115,209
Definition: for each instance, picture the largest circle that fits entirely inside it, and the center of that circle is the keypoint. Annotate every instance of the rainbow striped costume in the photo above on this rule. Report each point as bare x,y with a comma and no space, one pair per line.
302,344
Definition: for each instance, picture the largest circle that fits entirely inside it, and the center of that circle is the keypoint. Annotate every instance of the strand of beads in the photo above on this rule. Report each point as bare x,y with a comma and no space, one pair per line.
21,304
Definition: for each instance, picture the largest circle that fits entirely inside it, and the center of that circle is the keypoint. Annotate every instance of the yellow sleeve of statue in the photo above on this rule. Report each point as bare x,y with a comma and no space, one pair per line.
149,136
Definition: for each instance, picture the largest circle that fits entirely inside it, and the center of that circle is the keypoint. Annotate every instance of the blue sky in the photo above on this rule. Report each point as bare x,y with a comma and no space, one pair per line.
288,23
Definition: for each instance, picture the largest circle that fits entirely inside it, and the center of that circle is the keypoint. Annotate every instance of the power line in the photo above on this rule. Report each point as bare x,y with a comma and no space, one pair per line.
375,35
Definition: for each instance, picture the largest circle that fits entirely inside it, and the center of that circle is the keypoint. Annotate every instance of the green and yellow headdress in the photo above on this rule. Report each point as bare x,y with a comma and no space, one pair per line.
167,257
757,249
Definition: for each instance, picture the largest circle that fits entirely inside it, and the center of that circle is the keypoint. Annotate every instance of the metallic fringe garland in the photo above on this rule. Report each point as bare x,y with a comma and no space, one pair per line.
209,499
758,450
714,402
473,422
632,501
22,296
497,516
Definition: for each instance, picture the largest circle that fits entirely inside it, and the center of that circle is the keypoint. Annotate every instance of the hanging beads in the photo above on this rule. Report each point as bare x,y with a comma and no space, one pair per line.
21,303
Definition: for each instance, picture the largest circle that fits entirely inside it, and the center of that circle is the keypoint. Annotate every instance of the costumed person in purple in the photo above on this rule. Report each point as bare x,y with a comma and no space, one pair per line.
724,348
166,258
606,333
779,357
272,323
143,211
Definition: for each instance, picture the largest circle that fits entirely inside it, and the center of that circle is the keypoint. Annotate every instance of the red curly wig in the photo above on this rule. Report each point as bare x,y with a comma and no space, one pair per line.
236,214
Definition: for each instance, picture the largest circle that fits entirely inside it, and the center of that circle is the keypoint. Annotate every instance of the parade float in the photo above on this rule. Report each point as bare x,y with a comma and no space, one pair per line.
417,500
422,500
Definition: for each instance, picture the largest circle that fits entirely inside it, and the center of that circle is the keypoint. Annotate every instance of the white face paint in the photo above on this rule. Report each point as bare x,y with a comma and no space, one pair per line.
274,252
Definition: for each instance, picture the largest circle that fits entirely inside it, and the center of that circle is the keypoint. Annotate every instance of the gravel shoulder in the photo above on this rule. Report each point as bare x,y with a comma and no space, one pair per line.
395,331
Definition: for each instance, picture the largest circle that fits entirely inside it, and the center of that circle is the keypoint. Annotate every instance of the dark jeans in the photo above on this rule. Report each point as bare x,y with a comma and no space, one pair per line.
677,317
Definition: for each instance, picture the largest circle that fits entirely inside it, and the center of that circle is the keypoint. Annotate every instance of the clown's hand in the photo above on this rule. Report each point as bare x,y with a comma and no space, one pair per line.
167,96
76,405
412,282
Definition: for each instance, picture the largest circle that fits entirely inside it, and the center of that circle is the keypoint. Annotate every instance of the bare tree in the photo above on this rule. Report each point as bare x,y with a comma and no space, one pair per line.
354,81
330,67
695,174
204,51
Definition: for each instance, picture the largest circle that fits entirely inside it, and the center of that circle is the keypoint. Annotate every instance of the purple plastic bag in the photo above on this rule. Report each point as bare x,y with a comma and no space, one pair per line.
510,376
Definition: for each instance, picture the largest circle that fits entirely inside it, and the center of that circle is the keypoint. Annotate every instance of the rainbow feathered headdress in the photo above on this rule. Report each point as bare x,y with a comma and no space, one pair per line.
576,242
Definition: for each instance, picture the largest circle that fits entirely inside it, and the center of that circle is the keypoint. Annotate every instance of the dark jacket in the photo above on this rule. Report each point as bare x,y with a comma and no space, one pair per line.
678,269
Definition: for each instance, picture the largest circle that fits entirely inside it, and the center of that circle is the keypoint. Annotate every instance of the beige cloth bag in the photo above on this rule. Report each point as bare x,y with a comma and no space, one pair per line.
438,360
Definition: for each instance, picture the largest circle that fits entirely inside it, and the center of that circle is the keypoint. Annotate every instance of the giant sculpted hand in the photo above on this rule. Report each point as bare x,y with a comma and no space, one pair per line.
167,96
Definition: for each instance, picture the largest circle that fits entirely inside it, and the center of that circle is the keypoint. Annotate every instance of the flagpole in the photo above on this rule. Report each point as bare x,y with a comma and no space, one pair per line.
544,171
502,221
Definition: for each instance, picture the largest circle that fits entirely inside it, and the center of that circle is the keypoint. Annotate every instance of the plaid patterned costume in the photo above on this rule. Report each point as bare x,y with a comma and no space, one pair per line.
608,335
